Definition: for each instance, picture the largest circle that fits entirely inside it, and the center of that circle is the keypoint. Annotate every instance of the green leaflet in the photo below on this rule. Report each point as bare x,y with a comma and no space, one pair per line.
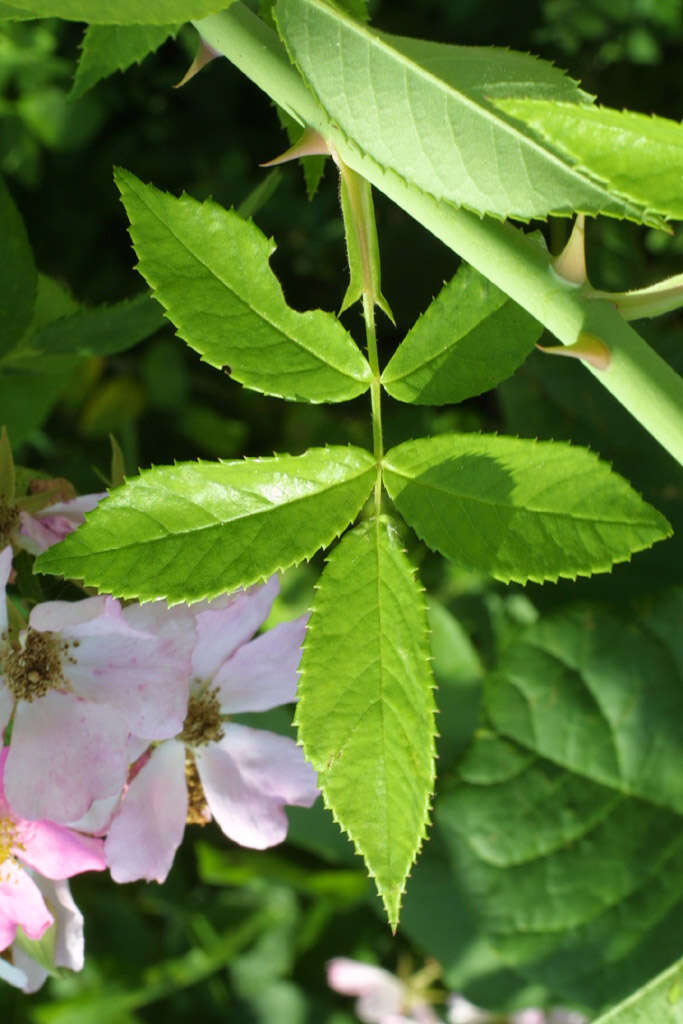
660,1000
602,699
518,509
118,12
198,529
439,133
102,330
209,269
109,48
469,339
638,156
18,281
366,711
607,866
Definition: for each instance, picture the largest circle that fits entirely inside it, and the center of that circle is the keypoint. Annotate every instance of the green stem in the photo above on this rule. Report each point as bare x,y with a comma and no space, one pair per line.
515,262
375,394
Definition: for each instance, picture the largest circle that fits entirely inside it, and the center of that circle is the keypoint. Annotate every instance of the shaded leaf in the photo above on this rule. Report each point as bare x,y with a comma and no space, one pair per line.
600,698
366,711
102,330
19,278
209,269
109,48
660,1000
195,530
518,509
469,339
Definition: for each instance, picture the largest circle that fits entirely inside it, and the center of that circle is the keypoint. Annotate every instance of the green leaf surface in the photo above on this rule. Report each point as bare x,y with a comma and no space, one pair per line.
209,269
422,111
574,885
519,509
102,330
366,711
196,530
638,156
600,698
469,339
118,12
661,1000
109,48
19,278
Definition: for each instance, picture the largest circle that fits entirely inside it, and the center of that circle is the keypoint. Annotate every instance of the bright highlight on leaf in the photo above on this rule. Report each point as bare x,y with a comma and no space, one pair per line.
366,710
209,269
423,111
195,530
637,156
517,509
469,339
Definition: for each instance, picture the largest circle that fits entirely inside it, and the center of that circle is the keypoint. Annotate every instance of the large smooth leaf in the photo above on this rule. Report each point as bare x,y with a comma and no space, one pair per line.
118,12
422,111
574,885
366,710
660,1000
198,529
518,509
638,156
109,48
209,269
468,340
603,699
19,278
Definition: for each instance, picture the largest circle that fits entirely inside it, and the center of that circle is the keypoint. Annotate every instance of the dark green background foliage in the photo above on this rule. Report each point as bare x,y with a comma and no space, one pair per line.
243,936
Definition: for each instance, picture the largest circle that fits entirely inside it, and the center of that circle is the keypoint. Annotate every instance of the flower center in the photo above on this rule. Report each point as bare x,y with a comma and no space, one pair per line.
34,669
203,723
198,812
8,833
9,520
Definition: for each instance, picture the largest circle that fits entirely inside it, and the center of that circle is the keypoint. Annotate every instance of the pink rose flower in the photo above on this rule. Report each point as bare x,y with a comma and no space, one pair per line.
82,681
383,998
39,531
21,970
242,777
51,850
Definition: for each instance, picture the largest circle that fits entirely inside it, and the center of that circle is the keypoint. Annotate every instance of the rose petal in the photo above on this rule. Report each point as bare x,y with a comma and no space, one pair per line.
13,975
144,676
149,826
462,1011
56,851
65,754
248,777
229,622
263,674
20,903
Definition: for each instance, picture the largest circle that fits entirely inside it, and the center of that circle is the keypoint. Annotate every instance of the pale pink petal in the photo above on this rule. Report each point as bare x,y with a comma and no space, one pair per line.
69,948
248,778
562,1016
11,974
462,1011
97,819
381,993
263,674
65,753
149,826
56,851
144,676
229,622
528,1016
5,570
20,903
55,522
